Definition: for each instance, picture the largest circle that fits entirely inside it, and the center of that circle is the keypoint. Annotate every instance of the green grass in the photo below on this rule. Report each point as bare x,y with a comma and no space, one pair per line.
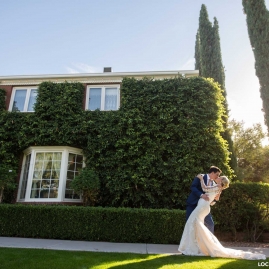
15,258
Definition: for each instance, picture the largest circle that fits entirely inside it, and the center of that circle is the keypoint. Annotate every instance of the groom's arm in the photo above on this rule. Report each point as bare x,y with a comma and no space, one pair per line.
196,187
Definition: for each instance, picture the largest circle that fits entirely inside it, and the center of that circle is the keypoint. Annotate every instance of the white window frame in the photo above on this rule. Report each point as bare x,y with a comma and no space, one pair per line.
62,180
103,87
27,98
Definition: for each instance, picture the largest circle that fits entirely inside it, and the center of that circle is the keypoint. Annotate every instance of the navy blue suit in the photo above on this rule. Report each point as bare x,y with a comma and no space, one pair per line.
192,201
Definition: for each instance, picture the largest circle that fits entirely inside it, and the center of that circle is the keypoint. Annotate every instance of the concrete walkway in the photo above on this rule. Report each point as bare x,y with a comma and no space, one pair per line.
16,242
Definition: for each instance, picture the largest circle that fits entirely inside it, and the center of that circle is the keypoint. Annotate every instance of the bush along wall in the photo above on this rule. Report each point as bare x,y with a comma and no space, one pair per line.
244,207
146,153
159,226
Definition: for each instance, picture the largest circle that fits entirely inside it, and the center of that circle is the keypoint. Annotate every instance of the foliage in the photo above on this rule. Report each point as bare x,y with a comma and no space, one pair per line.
243,207
2,100
209,61
168,131
146,153
58,114
197,53
7,179
88,183
253,158
257,17
160,226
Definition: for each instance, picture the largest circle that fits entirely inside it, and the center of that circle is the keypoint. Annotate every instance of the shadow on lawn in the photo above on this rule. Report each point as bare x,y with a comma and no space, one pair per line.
187,262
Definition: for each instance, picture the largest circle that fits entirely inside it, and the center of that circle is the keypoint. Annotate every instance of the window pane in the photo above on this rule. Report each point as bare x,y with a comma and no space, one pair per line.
35,193
19,100
36,184
111,99
74,164
47,170
57,156
78,166
53,193
32,100
44,193
95,98
79,159
70,175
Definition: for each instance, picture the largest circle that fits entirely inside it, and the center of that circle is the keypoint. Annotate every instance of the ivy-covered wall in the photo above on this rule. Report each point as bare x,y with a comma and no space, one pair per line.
146,153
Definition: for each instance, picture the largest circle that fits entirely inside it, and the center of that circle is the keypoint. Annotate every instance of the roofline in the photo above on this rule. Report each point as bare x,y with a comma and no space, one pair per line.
105,74
91,78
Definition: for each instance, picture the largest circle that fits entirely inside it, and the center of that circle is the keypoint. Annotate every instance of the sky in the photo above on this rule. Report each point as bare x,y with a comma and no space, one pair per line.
83,36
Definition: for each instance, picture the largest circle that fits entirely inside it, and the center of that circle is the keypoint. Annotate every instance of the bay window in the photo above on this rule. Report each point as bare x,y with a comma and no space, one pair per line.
47,173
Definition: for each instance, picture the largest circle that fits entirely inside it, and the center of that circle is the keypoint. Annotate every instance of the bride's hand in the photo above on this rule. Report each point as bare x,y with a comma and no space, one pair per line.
205,197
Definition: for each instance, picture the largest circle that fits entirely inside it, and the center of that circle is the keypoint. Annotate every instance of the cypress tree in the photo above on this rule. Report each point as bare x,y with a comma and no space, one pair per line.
197,53
206,42
208,60
257,17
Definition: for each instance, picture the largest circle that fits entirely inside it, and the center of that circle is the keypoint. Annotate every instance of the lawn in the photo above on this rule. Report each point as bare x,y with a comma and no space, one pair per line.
15,258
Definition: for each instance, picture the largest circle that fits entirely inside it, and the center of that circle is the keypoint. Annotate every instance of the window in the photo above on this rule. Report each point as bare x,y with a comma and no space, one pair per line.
23,99
47,173
103,97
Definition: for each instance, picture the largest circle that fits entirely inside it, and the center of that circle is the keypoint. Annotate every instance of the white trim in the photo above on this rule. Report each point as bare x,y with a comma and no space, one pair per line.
62,180
21,176
107,77
103,87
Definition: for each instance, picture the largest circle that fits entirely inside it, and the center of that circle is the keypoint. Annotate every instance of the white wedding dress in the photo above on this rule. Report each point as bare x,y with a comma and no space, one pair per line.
197,240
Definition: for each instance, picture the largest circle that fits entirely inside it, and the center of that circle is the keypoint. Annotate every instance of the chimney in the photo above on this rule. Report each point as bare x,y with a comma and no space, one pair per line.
107,69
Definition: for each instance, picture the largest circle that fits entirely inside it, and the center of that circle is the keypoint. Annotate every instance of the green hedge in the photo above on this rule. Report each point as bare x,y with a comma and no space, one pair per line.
92,223
243,207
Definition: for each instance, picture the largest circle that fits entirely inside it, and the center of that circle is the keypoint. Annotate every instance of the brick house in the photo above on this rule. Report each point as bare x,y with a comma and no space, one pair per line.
46,172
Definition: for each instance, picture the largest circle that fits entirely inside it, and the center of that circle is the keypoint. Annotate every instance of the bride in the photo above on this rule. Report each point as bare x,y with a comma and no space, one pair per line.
197,240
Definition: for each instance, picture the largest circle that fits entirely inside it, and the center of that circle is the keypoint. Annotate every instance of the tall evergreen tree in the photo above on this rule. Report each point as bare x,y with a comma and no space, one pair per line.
206,43
258,30
197,52
208,60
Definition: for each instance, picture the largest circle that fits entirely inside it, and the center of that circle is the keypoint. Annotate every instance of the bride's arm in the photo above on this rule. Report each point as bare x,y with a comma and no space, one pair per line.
208,188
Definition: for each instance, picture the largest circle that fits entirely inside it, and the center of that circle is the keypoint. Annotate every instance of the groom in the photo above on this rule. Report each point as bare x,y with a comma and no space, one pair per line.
197,193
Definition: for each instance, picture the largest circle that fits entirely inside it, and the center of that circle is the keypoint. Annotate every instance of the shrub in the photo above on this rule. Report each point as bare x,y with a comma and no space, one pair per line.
88,183
243,207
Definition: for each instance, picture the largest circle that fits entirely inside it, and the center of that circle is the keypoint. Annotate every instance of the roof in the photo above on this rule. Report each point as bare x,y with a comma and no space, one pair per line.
106,77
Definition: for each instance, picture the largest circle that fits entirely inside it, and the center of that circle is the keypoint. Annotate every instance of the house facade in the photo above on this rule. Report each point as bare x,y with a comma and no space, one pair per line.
47,171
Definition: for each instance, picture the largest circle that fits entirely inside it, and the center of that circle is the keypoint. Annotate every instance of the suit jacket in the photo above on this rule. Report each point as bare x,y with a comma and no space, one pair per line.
196,191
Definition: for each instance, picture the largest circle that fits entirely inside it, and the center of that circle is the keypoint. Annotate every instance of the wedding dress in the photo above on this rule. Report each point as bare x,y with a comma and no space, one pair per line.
197,240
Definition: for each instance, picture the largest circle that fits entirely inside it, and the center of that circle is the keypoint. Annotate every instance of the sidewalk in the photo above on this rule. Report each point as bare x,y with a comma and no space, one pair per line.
143,248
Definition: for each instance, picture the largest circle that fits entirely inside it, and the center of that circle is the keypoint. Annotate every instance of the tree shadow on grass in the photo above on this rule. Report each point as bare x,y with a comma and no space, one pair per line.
188,262
55,259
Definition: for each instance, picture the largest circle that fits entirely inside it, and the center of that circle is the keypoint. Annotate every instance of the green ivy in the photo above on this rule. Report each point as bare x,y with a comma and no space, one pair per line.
146,153
2,100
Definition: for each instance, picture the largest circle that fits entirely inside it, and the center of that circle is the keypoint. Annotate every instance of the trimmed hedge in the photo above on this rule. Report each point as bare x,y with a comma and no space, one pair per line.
159,226
243,207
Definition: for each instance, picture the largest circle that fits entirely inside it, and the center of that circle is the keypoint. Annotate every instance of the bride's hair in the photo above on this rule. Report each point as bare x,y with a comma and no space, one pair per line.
225,182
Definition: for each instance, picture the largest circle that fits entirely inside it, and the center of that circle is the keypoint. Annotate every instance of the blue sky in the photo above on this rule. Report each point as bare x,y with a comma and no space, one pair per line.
69,36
